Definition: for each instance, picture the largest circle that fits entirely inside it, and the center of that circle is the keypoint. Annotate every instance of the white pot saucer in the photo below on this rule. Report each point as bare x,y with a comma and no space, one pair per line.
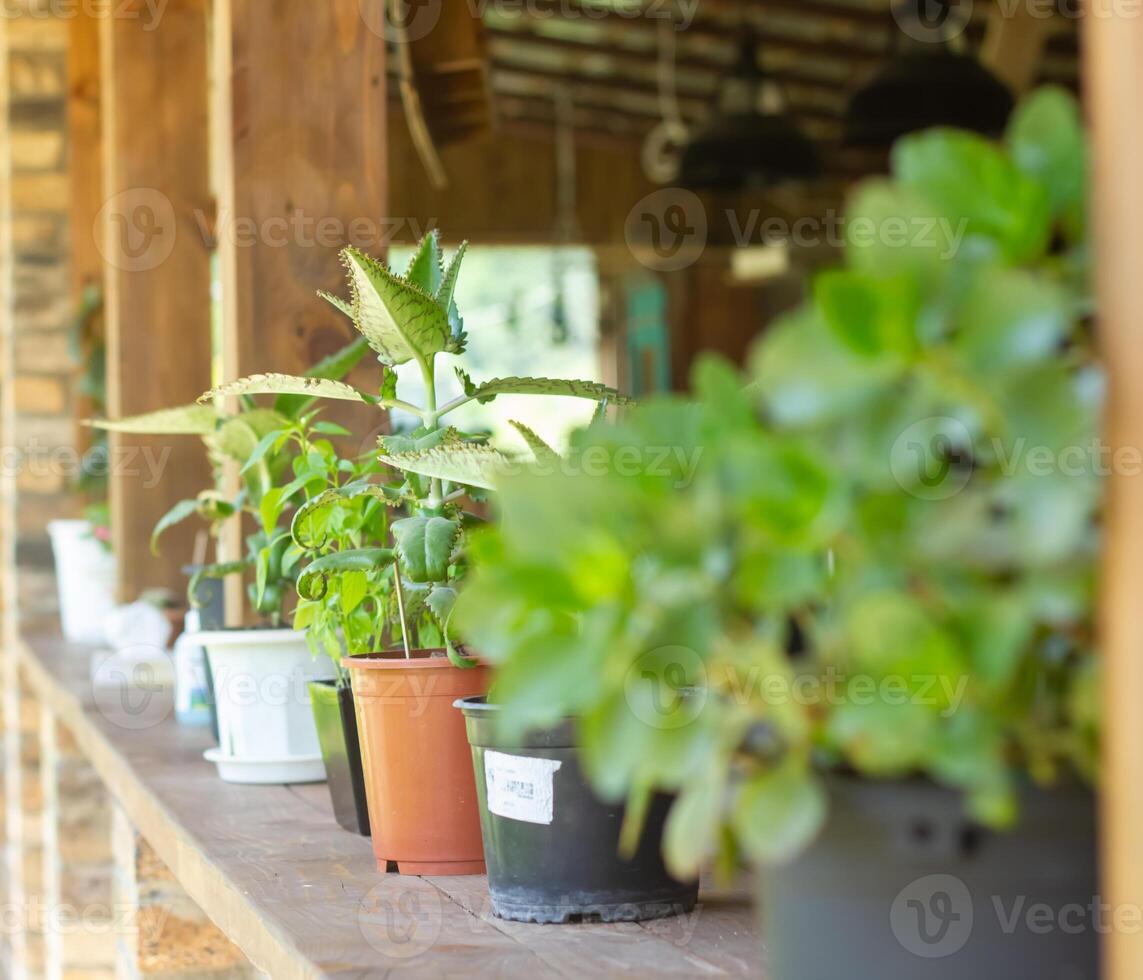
262,772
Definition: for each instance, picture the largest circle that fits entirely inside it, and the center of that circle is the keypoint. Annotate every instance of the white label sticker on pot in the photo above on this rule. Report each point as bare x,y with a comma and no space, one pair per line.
520,788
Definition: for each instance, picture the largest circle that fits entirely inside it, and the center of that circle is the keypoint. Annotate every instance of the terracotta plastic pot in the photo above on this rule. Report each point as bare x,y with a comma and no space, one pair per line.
418,767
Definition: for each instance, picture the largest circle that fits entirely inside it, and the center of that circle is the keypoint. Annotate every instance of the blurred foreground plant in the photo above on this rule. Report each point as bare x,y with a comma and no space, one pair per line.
883,561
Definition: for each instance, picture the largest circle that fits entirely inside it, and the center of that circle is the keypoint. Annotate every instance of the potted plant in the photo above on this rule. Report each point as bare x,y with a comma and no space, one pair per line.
426,822
85,563
259,674
347,620
851,624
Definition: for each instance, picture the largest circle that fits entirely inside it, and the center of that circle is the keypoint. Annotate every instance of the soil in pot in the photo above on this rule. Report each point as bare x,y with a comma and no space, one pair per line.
418,771
552,846
341,752
900,885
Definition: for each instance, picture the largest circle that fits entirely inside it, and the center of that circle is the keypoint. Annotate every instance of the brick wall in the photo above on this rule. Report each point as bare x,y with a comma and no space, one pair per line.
44,370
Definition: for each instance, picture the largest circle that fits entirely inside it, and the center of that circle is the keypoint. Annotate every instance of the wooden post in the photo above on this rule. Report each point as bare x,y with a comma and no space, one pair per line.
85,157
157,284
1113,52
299,123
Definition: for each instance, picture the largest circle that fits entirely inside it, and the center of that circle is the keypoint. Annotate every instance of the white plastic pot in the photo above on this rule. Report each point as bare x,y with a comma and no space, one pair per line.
261,687
85,576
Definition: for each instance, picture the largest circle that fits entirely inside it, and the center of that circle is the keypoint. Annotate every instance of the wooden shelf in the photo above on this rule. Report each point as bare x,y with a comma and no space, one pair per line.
302,898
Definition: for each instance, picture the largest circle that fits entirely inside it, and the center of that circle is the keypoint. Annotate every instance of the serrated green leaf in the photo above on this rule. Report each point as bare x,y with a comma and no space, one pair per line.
446,297
313,583
466,464
180,512
565,387
286,384
440,603
400,321
425,545
191,420
424,270
540,449
308,517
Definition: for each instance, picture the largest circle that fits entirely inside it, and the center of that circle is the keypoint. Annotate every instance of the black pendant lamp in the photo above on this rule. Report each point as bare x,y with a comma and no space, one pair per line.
928,86
751,143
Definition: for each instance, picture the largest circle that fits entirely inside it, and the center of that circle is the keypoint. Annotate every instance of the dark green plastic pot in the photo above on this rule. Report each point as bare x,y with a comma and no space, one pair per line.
551,846
900,886
341,752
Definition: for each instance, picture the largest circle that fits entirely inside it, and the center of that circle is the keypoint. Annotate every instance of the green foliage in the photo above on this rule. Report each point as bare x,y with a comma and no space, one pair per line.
405,574
283,462
874,554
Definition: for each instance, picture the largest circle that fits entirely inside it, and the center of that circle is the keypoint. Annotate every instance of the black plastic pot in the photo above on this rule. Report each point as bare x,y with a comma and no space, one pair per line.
900,886
551,846
341,751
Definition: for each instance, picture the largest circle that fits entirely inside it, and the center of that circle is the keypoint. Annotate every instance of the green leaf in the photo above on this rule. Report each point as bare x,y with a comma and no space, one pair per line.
180,512
445,296
1046,140
308,524
313,583
779,812
425,545
331,429
424,270
400,321
970,180
692,825
466,464
487,391
260,450
270,509
807,375
872,315
352,588
440,602
238,438
1011,317
544,453
285,384
192,420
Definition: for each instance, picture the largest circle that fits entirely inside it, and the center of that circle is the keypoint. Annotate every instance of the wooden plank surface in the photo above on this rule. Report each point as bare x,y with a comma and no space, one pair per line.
157,278
303,898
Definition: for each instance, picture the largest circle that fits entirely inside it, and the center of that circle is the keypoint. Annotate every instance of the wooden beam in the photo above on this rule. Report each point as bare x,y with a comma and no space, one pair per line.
157,273
300,170
1113,52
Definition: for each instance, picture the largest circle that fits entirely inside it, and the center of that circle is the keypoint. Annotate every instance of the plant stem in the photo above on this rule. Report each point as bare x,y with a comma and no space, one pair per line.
401,608
432,422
